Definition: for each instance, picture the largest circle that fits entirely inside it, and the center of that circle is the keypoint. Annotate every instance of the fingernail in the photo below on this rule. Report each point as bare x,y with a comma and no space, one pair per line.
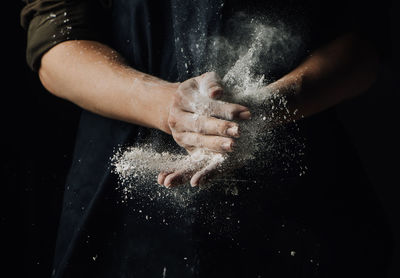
227,145
245,115
233,131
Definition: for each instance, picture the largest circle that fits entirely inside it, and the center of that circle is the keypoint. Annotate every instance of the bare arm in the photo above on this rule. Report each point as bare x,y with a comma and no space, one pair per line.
342,69
96,78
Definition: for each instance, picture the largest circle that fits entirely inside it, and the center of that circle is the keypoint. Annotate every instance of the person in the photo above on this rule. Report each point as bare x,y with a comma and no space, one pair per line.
126,64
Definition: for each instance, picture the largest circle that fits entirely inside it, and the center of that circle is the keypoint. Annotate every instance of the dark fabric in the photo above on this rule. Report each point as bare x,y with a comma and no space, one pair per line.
327,223
50,22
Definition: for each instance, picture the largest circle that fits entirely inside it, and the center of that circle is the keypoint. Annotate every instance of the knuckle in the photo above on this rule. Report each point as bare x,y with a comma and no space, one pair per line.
225,140
190,84
172,121
177,99
213,106
229,114
198,125
193,85
224,127
181,93
214,89
178,137
214,141
196,141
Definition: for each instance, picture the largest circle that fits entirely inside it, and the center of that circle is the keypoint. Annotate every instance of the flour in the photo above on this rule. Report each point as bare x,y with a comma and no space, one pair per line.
138,162
245,66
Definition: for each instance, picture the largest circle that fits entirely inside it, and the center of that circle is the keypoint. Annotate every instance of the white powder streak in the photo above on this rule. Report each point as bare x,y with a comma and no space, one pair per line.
242,86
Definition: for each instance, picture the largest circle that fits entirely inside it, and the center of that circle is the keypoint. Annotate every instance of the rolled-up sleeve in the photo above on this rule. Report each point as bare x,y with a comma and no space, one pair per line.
49,22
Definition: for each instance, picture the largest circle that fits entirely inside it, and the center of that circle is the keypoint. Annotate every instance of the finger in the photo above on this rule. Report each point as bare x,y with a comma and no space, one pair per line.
190,99
211,83
228,111
204,174
177,178
190,140
205,86
161,177
210,107
189,122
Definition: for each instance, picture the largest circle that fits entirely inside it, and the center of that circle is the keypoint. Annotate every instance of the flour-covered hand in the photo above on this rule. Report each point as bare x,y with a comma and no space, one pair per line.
199,121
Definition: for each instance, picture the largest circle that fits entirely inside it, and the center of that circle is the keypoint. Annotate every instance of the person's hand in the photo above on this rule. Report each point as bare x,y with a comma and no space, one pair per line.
203,125
196,116
199,167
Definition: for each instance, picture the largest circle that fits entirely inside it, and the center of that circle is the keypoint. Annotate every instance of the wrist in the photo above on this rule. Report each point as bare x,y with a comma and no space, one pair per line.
283,98
167,96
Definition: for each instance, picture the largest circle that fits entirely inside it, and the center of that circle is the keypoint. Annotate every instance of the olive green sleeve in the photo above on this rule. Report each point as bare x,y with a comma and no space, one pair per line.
49,22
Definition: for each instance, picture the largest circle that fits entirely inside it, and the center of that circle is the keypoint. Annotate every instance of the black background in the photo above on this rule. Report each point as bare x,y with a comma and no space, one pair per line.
38,132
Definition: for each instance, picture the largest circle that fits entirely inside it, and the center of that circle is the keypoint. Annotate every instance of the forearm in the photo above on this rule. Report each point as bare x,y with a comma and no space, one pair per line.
338,71
95,77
